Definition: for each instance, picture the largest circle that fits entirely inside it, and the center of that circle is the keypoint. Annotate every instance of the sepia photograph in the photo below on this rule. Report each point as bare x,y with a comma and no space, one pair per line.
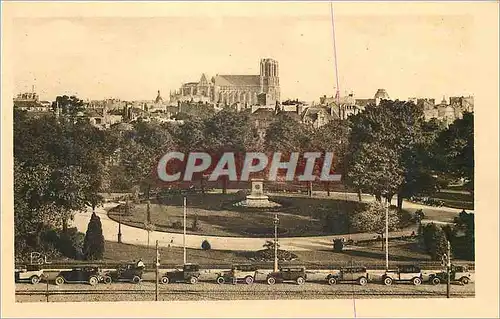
243,152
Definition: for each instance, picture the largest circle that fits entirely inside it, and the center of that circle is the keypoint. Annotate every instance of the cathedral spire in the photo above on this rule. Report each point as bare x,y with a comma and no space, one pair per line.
158,98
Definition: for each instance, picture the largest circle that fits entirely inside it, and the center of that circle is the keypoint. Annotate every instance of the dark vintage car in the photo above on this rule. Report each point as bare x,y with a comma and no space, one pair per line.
405,273
128,273
296,274
349,274
458,273
190,273
246,273
29,273
88,275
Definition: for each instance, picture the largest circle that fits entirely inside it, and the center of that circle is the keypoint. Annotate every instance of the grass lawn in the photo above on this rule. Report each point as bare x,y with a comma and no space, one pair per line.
300,216
456,199
369,253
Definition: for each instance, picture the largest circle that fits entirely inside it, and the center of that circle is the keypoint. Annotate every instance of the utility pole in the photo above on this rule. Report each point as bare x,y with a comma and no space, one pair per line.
276,222
387,236
157,270
184,237
448,268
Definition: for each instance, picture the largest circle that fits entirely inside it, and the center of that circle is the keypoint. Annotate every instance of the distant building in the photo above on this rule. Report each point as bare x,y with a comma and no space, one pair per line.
343,107
229,90
316,116
30,101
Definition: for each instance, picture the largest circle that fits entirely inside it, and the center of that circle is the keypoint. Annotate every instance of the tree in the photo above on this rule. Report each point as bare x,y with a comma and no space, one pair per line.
286,134
435,241
69,105
376,169
57,172
140,154
333,137
394,130
371,218
229,131
456,145
93,245
463,235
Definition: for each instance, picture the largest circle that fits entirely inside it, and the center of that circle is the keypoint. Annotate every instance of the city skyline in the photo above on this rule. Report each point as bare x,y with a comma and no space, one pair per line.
132,58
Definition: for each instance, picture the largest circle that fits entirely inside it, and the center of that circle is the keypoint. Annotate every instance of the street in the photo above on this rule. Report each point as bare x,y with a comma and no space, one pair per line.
145,291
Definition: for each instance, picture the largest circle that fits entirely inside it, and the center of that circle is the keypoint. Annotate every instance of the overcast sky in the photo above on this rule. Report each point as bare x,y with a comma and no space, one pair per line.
408,54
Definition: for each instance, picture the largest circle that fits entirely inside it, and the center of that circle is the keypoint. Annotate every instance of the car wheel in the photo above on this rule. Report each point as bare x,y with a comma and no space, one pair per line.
464,280
387,281
35,279
193,280
107,280
362,281
332,281
416,281
93,281
271,281
300,281
136,279
220,280
164,280
249,280
59,280
435,281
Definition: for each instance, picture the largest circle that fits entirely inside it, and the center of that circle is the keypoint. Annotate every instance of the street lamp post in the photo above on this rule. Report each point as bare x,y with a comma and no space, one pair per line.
120,212
276,222
184,236
387,235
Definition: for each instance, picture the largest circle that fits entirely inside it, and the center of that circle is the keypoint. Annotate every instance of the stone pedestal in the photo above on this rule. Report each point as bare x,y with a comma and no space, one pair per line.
257,198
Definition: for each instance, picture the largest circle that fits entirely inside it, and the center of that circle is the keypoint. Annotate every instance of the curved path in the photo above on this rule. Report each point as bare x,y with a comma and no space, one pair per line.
138,236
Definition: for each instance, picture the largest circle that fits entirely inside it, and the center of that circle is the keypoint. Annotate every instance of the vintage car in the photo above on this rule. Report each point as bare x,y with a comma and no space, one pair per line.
349,274
88,275
29,273
296,274
406,273
457,274
190,273
247,273
127,272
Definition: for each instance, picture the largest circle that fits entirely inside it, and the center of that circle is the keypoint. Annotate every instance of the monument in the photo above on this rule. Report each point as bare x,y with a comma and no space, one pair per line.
257,198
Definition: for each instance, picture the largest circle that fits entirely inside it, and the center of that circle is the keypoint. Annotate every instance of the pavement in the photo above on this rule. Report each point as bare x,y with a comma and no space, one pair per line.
139,236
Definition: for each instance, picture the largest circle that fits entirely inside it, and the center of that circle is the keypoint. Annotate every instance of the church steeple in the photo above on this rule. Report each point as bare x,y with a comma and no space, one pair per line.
158,98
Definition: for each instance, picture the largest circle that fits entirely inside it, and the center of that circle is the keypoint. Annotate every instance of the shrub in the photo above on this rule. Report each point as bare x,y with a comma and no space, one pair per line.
196,224
93,246
177,225
268,255
435,241
205,245
419,215
338,245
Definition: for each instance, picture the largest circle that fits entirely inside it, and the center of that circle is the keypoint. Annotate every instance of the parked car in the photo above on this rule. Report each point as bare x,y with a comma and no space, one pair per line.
88,275
349,274
457,273
29,273
404,273
127,272
237,273
297,274
190,273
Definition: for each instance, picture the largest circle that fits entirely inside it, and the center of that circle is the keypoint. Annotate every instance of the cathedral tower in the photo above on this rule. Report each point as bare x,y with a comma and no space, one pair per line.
269,79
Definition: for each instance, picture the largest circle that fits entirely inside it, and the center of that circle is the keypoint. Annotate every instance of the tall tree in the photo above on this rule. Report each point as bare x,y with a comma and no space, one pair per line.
93,244
457,149
286,134
394,130
68,105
